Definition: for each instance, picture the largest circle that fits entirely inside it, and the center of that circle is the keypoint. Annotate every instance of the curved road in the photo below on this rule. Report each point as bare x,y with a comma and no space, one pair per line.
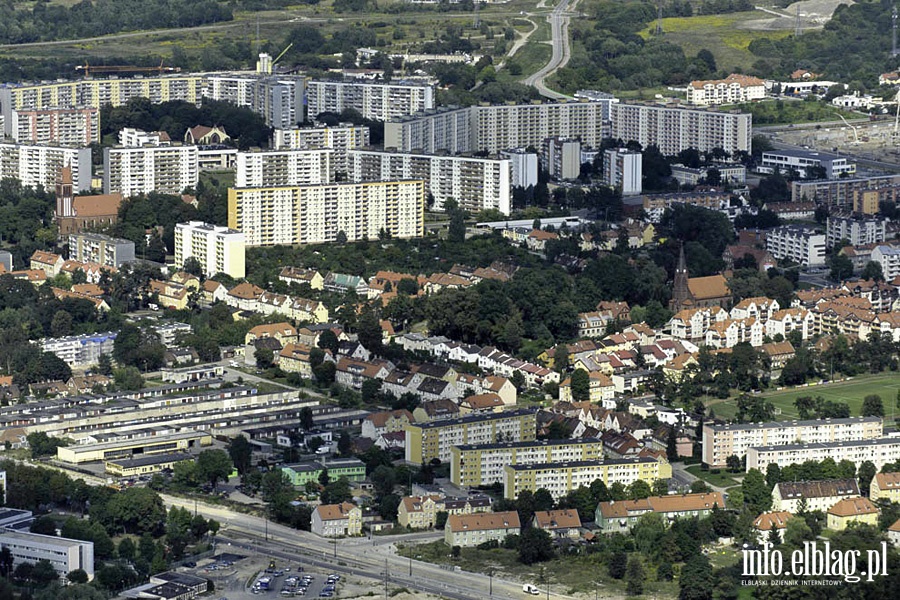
559,31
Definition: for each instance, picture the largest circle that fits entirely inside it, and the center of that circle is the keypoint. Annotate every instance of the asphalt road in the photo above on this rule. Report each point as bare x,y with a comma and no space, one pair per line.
361,557
559,31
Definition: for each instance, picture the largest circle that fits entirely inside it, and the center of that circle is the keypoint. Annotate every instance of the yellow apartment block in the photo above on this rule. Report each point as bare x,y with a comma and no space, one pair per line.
472,465
561,478
427,441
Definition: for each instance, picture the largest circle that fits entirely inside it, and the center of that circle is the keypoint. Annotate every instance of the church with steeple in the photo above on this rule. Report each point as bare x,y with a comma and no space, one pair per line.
697,292
78,213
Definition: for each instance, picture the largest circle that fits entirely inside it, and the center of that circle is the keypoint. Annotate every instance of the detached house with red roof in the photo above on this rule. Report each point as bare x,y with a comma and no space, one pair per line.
336,520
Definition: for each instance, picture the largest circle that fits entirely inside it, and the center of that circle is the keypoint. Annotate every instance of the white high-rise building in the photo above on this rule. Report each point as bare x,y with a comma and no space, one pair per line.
501,127
674,128
373,100
312,214
41,165
340,139
802,245
64,126
523,166
218,249
475,183
167,169
283,167
623,169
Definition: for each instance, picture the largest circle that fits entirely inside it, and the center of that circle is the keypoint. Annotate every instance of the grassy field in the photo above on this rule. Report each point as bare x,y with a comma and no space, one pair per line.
852,392
573,574
720,479
720,34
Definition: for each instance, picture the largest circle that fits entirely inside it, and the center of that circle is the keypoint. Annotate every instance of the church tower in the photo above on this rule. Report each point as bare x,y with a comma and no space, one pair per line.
680,291
65,197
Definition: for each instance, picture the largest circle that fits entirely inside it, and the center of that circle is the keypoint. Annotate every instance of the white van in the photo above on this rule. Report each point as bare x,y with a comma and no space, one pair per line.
531,589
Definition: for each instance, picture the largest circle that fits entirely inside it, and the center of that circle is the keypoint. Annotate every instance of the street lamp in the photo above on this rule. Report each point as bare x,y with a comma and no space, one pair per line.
491,582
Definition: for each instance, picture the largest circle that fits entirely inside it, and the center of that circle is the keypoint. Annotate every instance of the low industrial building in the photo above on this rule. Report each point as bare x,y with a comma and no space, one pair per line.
76,455
145,465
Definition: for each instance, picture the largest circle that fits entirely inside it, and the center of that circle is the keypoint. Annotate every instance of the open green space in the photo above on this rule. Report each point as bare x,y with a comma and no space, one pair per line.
720,34
720,479
569,575
851,391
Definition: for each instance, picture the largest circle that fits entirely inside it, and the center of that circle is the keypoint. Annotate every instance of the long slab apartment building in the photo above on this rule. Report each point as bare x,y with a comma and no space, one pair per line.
278,98
435,439
722,441
42,165
339,139
560,478
879,451
501,127
373,100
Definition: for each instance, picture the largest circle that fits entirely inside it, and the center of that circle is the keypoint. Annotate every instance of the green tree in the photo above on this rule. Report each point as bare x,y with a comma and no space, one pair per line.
872,406
384,479
44,573
580,385
535,545
757,495
213,466
796,532
697,581
264,357
617,565
634,576
241,453
128,378
127,550
865,473
841,268
77,576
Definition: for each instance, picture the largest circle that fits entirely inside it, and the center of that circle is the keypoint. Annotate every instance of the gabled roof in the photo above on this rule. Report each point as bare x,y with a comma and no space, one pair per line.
246,291
849,507
45,258
101,205
826,488
274,329
772,520
380,419
557,519
483,401
703,288
888,481
335,512
484,521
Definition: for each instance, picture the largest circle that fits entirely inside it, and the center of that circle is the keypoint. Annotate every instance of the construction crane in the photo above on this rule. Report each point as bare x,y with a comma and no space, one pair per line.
88,69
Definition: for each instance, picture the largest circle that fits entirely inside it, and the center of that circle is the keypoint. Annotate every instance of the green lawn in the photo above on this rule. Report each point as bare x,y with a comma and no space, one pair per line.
852,392
723,35
721,479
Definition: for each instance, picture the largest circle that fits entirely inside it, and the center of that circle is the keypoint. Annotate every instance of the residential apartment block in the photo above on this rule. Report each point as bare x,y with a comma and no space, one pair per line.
468,531
420,512
879,451
561,157
64,554
733,89
839,192
218,249
473,465
815,495
427,441
674,128
339,139
475,183
313,214
168,169
373,100
499,127
888,256
623,169
802,245
101,249
524,167
279,99
857,230
63,126
273,168
560,478
722,441
36,165
80,350
802,161
618,516
885,486
337,520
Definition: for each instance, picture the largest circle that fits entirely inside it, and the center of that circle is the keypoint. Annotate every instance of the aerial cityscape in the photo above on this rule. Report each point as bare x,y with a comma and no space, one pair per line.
449,299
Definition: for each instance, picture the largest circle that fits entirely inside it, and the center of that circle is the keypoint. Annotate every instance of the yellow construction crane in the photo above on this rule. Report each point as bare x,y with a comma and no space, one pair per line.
88,69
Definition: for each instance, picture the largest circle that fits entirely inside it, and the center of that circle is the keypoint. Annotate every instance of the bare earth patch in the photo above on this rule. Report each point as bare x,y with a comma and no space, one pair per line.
813,15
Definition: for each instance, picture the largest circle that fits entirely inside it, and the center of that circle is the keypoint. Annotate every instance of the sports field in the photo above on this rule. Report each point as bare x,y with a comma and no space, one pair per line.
852,392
